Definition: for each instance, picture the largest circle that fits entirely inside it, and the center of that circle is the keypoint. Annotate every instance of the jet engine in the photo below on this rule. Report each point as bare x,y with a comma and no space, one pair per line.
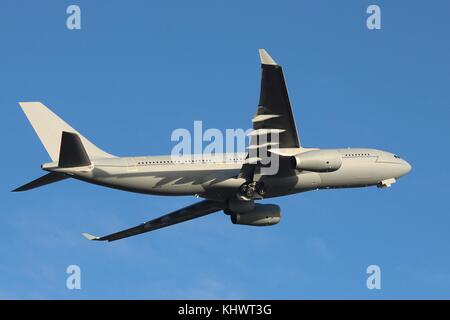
317,161
261,215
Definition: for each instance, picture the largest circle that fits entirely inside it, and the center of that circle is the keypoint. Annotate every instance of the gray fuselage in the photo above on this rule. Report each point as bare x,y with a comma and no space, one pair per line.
216,177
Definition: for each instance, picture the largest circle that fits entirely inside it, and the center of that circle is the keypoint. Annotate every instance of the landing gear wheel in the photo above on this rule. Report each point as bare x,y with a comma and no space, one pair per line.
250,192
260,189
249,189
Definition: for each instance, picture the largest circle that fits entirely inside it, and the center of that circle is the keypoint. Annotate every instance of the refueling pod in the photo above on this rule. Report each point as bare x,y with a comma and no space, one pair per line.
317,161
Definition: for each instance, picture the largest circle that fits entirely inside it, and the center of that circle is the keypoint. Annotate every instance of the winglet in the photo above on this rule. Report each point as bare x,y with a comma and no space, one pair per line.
89,236
266,58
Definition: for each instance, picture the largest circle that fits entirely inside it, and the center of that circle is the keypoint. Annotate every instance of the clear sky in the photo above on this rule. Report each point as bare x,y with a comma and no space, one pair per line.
137,70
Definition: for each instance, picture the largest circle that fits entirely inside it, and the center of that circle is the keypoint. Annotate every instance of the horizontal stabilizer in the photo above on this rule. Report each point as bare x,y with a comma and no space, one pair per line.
42,181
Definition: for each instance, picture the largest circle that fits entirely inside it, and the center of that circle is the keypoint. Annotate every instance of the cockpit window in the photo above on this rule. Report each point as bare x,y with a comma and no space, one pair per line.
396,156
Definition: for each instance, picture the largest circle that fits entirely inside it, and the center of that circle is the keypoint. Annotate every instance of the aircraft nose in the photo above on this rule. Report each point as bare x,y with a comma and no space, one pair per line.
406,168
409,167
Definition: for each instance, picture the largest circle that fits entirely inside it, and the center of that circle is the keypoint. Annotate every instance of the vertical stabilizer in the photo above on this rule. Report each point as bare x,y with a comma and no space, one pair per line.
49,128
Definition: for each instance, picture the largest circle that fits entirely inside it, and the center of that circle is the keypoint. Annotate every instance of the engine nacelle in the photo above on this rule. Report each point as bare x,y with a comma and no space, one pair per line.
318,161
261,215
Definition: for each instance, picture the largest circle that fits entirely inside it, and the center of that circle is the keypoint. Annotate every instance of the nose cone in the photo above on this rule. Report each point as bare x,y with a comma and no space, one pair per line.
406,168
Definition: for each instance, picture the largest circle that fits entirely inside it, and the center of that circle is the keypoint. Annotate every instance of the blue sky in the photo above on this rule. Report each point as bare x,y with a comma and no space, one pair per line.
137,70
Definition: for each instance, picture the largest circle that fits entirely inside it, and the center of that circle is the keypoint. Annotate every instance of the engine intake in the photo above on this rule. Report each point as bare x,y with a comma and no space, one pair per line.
318,161
261,215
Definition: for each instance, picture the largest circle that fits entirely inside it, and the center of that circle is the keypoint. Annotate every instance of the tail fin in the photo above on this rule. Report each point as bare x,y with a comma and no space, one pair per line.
49,128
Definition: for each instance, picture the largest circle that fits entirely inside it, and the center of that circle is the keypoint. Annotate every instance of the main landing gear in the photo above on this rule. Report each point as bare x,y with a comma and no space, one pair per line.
252,190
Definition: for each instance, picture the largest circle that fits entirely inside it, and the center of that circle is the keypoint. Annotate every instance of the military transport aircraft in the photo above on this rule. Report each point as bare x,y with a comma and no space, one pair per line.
232,182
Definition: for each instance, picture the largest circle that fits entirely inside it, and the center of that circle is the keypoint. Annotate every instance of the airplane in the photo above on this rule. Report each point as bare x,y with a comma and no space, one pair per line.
232,182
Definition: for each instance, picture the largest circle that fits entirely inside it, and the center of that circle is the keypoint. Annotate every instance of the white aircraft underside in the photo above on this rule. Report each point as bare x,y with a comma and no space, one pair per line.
229,182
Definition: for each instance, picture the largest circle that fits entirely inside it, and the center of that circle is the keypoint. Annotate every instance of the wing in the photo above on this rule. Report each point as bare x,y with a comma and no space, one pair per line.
274,111
196,210
273,117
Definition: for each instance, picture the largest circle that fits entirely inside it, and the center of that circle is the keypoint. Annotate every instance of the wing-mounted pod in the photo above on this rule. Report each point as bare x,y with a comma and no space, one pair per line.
317,161
260,216
252,214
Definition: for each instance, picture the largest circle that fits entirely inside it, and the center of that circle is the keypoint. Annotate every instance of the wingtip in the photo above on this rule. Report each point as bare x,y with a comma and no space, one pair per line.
89,236
266,58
